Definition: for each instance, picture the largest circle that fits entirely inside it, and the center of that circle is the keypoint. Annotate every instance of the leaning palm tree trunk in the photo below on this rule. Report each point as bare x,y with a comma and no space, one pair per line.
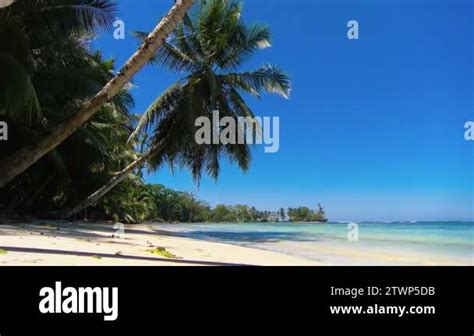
18,162
6,3
102,191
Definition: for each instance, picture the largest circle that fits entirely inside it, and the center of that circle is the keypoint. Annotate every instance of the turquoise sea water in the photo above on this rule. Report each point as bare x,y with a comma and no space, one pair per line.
447,243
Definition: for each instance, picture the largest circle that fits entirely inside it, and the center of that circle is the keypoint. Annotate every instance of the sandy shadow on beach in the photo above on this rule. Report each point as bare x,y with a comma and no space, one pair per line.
115,256
95,233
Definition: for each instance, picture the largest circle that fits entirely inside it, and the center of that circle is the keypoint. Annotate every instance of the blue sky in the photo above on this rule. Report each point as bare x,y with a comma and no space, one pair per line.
374,128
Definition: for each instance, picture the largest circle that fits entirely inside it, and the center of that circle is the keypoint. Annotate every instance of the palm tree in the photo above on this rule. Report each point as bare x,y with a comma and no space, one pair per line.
5,3
281,213
40,42
209,45
75,14
61,179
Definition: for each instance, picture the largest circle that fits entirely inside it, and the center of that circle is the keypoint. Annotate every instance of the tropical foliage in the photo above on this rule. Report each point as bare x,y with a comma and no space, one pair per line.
211,82
208,47
45,66
158,203
72,19
47,71
305,214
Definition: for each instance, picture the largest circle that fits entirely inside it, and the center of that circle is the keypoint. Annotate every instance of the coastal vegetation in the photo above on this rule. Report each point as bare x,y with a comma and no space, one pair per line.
160,204
46,35
305,214
76,151
48,72
206,50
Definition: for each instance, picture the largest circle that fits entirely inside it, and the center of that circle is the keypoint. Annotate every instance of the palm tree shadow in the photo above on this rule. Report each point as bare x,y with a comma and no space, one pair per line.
94,233
115,256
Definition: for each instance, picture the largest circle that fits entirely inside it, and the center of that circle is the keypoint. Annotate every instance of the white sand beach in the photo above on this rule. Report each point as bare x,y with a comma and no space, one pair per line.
83,244
93,244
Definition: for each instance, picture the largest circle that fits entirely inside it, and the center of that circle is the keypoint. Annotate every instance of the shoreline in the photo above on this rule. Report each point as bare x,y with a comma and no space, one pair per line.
59,243
86,244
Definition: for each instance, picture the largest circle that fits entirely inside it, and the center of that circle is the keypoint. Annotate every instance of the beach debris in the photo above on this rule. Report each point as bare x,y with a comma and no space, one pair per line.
96,257
161,251
2,251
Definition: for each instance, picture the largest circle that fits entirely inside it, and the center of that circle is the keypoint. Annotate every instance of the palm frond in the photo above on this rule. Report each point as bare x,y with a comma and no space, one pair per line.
18,98
242,44
123,102
239,105
166,102
71,16
267,78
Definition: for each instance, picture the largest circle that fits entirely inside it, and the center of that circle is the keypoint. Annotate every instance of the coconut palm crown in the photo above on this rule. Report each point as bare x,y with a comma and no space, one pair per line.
208,49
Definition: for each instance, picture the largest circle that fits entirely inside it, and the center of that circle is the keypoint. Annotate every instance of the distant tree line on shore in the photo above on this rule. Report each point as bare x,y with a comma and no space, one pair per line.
134,201
153,202
305,214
